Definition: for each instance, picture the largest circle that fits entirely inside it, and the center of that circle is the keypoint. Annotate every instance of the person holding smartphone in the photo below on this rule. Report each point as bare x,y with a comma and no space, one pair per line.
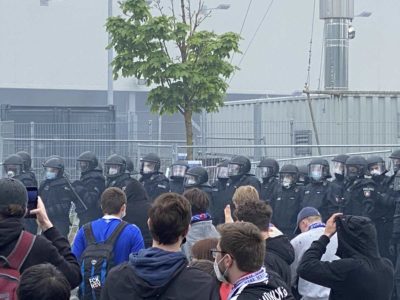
49,247
360,273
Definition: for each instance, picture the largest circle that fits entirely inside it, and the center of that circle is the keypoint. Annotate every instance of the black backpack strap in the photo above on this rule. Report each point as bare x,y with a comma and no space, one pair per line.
113,237
87,229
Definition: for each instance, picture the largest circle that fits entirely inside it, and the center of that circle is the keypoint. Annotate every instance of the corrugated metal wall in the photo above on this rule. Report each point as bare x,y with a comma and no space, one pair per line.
340,120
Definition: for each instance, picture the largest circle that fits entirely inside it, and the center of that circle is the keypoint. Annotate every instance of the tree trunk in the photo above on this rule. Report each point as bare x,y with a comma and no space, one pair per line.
189,133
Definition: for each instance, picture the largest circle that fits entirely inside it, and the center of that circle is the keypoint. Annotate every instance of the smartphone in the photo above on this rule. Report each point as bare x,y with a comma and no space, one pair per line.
32,201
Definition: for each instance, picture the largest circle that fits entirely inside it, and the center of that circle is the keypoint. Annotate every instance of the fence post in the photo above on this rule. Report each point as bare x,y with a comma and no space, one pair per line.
32,142
257,127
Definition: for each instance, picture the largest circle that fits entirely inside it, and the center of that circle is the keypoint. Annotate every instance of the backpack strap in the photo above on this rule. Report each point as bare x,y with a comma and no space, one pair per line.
21,250
87,229
113,237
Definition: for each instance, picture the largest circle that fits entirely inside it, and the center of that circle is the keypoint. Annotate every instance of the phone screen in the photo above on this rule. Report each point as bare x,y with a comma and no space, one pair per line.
32,200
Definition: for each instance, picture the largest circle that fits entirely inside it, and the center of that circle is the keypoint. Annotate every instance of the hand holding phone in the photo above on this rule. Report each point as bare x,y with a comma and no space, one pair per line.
32,201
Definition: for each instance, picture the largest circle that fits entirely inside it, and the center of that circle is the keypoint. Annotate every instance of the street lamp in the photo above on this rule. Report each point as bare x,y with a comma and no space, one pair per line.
110,83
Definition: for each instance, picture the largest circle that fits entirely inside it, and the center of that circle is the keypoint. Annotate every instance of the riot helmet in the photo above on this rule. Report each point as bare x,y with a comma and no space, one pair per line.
222,170
130,167
268,168
339,163
114,166
178,170
303,175
27,160
87,161
376,166
13,165
53,167
318,170
195,177
238,166
356,167
150,164
395,160
288,175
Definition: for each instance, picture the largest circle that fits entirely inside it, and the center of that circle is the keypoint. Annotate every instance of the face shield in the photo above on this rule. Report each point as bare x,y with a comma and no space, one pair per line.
287,180
50,173
83,166
395,162
190,180
148,167
233,169
266,172
178,171
338,168
377,169
222,172
316,172
352,172
112,170
12,170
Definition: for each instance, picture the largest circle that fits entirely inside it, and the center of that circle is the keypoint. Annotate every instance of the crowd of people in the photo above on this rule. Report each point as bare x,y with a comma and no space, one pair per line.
296,234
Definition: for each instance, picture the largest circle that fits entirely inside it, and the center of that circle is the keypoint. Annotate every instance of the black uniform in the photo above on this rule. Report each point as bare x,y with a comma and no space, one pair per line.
155,185
120,181
178,171
176,186
269,188
57,196
316,195
29,180
89,188
285,206
219,201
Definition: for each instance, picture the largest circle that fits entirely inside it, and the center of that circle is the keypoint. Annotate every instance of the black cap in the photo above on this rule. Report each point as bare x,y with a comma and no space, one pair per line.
12,191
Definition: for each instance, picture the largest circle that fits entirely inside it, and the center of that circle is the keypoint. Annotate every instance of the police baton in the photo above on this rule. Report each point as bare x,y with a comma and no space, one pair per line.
76,194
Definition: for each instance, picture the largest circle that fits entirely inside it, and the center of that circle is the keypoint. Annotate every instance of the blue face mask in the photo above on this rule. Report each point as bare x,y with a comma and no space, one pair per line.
51,175
316,175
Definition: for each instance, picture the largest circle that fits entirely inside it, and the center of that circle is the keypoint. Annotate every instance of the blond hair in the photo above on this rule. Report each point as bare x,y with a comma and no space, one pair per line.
244,194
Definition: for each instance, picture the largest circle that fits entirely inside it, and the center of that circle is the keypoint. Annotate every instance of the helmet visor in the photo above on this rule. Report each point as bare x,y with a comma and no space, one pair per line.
190,180
83,166
287,179
12,170
222,172
148,167
266,172
377,169
233,169
316,172
112,170
178,171
395,162
338,168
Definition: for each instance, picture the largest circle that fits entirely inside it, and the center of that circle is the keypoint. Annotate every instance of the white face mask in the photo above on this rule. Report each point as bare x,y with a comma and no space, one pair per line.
147,170
221,277
10,174
113,171
286,182
375,172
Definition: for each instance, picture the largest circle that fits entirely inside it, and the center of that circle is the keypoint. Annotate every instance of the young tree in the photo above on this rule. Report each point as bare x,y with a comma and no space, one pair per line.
186,67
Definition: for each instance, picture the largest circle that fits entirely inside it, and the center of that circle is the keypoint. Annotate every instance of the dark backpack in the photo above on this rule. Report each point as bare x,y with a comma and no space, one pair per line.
10,266
96,261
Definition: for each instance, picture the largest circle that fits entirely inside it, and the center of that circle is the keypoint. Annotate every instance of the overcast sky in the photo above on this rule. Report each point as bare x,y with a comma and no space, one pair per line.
62,46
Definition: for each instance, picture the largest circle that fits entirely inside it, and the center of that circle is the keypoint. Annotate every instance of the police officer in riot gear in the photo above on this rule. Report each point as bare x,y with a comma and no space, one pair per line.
115,172
269,169
384,207
155,183
239,174
218,191
14,167
89,187
358,195
57,194
197,177
316,193
178,171
304,179
287,203
338,169
27,177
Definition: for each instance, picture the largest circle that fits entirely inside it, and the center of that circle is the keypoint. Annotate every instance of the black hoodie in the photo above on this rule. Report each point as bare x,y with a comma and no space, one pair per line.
279,255
50,247
157,274
360,273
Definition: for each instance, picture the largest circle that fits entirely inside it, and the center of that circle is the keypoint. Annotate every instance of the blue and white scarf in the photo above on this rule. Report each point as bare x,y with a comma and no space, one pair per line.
256,277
